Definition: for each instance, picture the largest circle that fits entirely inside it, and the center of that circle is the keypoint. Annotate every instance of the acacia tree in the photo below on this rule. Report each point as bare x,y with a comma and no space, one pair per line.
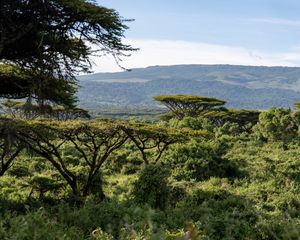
152,141
185,105
18,109
10,147
245,119
92,142
48,42
42,88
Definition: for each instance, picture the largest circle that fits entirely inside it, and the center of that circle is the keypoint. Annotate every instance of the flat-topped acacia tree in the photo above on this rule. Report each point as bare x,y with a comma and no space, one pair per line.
10,147
243,117
24,110
152,141
187,105
91,143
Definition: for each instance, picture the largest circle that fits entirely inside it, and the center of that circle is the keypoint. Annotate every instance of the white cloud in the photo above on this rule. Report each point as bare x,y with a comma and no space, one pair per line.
166,52
276,21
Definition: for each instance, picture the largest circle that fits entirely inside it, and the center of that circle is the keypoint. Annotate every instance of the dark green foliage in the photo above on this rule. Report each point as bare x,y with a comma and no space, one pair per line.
198,123
245,119
35,226
63,25
152,187
10,146
200,161
27,110
14,82
126,160
229,216
48,42
277,124
42,88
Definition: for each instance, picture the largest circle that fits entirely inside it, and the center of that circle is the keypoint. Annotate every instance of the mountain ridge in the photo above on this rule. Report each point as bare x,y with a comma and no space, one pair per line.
252,87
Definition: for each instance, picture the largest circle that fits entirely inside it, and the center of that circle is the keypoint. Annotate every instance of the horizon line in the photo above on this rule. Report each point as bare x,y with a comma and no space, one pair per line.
192,64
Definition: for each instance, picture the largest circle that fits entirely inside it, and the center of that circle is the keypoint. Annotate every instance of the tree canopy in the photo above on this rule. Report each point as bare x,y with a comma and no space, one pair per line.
242,117
25,110
19,83
277,124
186,105
48,42
10,147
152,141
91,144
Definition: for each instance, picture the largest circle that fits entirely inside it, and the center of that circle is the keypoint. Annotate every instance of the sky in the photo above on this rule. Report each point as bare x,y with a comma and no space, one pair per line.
245,32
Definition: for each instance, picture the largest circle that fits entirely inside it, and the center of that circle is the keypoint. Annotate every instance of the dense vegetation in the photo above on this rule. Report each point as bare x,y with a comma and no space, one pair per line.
182,178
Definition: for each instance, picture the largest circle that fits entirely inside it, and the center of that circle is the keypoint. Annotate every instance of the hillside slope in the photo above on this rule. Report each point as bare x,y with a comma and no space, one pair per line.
241,86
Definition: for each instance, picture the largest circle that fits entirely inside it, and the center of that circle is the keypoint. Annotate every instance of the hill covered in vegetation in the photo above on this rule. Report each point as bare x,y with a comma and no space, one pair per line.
249,87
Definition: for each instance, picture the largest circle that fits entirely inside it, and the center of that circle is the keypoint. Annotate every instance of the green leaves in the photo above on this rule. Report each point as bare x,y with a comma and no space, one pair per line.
277,124
185,105
48,43
92,143
26,110
152,140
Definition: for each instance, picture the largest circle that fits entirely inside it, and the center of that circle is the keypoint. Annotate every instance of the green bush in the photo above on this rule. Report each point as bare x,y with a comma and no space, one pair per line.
219,213
276,124
152,186
195,123
37,226
199,161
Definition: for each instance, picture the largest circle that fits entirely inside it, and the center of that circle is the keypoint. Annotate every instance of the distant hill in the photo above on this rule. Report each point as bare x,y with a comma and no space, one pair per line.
242,86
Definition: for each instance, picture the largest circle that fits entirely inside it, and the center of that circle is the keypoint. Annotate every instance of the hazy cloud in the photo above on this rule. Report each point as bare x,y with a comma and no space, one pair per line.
276,21
165,52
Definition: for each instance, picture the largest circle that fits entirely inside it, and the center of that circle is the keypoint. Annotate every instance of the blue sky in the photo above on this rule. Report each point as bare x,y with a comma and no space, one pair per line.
249,32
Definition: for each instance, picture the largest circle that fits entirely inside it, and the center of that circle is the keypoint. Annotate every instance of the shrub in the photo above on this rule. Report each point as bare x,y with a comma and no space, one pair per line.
199,161
152,186
37,225
276,124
